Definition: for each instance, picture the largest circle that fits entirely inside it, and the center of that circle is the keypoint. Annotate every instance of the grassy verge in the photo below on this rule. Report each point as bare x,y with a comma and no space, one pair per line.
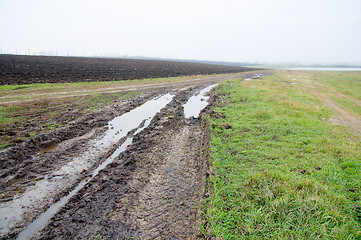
279,171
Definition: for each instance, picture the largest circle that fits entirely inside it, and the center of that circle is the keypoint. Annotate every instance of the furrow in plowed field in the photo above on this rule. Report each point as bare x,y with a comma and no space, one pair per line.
16,69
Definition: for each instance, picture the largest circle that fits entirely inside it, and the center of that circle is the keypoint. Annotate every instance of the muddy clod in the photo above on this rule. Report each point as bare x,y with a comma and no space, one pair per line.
226,126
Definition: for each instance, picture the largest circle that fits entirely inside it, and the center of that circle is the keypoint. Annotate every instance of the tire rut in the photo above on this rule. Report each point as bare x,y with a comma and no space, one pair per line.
151,191
172,188
346,118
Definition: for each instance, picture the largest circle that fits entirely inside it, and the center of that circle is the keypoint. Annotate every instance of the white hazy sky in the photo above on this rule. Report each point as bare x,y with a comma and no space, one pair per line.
224,30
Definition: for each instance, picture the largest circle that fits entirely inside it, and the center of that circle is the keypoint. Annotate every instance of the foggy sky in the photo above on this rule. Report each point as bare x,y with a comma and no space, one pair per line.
225,30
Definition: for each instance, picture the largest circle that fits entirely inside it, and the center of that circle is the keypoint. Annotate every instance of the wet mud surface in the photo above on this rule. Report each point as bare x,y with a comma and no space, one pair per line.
31,159
151,190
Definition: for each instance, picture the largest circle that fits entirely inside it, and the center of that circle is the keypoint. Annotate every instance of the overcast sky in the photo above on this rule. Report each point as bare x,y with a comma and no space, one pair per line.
224,30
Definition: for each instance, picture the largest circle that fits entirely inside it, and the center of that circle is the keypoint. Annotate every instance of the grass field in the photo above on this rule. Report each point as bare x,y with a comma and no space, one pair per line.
342,87
279,168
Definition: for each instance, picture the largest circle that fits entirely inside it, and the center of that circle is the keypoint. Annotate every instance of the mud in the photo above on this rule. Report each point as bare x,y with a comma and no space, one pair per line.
46,175
151,190
28,161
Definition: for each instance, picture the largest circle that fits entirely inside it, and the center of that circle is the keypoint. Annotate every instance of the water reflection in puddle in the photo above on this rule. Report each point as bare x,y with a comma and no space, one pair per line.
120,126
197,103
137,119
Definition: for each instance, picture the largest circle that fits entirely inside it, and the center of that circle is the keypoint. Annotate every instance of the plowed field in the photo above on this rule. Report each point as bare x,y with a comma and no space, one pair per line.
16,69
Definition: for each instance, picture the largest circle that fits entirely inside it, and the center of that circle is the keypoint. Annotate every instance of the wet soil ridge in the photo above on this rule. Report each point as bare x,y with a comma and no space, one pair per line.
33,161
140,116
18,156
15,69
128,124
151,190
163,158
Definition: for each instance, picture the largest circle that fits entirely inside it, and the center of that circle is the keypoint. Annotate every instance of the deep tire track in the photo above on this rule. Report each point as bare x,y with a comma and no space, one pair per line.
151,191
174,189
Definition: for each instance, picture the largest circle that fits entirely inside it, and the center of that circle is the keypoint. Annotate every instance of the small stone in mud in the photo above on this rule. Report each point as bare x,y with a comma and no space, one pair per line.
46,144
16,140
11,133
39,178
26,134
226,126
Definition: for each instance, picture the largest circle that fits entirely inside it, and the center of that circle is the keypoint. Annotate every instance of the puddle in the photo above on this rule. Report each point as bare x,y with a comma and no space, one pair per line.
255,76
197,103
294,83
120,126
137,119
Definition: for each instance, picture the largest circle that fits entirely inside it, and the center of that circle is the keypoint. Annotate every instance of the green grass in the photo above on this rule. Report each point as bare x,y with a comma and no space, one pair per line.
281,171
349,105
348,83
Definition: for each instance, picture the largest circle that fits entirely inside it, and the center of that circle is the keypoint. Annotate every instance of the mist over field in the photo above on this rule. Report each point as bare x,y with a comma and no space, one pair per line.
310,31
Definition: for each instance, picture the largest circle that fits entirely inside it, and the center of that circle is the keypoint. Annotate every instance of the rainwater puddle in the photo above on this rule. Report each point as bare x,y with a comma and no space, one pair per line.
197,103
137,119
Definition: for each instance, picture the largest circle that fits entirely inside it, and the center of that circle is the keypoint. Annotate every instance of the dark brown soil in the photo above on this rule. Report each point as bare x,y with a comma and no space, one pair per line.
26,160
151,191
15,69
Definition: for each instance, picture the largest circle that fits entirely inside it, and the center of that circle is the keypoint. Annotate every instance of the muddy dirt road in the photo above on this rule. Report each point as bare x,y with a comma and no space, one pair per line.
136,169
